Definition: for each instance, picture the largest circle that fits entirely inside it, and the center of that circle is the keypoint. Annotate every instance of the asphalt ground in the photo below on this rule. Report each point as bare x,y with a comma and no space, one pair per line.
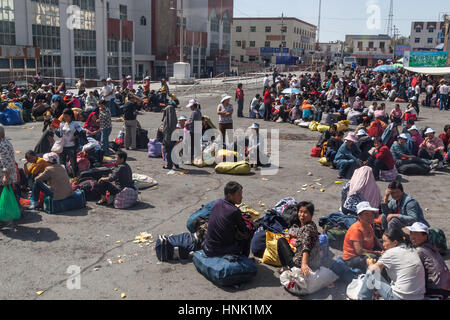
36,254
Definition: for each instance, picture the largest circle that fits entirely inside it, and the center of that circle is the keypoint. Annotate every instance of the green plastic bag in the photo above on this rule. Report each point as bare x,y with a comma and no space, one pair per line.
9,209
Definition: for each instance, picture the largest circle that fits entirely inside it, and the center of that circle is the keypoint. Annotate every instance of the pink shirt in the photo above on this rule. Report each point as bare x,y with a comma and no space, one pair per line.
433,144
418,139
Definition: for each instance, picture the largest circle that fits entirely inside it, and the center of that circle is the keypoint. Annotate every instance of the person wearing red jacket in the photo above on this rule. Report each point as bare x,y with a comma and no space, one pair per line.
267,105
445,137
381,159
240,100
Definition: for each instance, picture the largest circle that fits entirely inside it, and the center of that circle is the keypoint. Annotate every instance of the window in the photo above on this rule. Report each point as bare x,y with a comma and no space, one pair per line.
267,44
417,40
418,30
284,29
7,23
431,30
252,44
430,40
88,5
107,10
252,29
238,29
382,45
143,21
371,44
123,12
4,63
360,45
268,29
238,44
215,24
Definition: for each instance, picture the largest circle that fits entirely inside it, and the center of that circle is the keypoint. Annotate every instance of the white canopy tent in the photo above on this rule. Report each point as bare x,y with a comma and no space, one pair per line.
431,71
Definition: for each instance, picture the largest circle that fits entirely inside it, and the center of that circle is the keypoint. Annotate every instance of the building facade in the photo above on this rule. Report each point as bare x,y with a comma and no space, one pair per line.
90,38
206,36
368,49
330,51
260,40
426,35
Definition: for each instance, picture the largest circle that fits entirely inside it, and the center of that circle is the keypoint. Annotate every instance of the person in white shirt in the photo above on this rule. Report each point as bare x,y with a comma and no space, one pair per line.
443,95
417,91
429,89
403,266
266,82
108,92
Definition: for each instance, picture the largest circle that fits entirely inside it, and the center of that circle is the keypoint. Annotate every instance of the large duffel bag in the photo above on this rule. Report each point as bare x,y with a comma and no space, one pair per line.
95,174
126,198
199,217
228,270
414,169
234,168
154,149
91,189
258,245
178,247
74,202
141,139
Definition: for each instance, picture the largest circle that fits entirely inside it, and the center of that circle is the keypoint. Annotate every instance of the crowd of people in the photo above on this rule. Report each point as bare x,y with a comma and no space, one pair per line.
412,266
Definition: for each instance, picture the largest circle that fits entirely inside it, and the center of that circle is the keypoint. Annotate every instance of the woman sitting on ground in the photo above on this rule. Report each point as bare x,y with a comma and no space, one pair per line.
403,266
397,115
362,187
360,240
432,148
306,235
92,126
120,178
53,182
381,158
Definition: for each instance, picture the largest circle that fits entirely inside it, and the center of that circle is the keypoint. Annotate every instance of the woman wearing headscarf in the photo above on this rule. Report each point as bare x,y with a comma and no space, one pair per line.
362,187
92,126
53,182
170,122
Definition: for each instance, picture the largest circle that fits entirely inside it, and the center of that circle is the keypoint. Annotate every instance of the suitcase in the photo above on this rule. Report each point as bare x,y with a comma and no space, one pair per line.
202,214
176,247
74,202
228,270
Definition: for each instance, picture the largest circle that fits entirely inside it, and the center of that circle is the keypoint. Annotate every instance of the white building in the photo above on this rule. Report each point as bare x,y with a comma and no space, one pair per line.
368,49
330,51
101,45
426,35
258,40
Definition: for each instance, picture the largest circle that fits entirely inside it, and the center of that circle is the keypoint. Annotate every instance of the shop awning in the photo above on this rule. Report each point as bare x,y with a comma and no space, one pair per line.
431,71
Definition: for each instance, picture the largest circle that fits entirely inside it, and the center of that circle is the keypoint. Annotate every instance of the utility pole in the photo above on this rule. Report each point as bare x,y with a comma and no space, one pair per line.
447,24
389,30
318,24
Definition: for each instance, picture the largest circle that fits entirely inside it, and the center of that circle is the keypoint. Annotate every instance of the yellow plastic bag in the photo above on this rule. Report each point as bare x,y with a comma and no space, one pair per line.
270,256
235,168
322,128
226,155
199,163
323,161
343,125
246,209
313,125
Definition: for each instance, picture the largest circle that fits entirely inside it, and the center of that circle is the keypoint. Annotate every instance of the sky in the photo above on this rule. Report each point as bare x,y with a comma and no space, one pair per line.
341,17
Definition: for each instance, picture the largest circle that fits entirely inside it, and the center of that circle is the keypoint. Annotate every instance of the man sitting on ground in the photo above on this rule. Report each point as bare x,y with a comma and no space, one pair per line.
402,211
436,271
227,231
120,178
402,156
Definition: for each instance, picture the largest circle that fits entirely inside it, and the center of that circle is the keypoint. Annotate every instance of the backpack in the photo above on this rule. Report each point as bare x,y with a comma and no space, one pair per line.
283,204
154,149
316,152
258,244
228,270
414,169
437,238
176,247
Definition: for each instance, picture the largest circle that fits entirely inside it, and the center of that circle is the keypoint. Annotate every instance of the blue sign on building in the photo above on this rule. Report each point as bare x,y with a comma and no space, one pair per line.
264,51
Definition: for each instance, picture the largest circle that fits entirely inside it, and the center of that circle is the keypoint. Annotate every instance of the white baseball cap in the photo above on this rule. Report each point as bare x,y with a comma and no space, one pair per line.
413,128
182,118
429,130
403,136
361,133
365,206
418,227
254,126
